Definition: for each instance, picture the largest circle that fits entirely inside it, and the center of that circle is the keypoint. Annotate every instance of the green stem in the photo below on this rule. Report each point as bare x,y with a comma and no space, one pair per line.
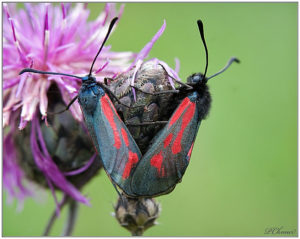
71,218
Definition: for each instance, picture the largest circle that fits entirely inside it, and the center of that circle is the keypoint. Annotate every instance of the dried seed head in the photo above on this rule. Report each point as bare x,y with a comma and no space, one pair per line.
150,77
137,214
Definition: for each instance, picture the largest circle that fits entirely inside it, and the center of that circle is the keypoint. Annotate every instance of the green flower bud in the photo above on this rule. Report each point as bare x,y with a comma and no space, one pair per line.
137,214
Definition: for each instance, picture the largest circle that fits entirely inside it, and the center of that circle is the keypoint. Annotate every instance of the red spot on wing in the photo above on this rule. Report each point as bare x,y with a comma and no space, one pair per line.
125,136
186,119
184,104
109,112
190,152
156,161
114,109
132,160
168,140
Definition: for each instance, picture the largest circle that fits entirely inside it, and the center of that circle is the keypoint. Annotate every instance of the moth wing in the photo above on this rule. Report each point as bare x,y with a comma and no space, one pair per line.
114,143
164,164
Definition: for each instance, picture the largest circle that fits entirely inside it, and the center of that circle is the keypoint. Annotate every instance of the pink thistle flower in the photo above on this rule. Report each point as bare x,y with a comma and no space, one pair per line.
49,38
62,42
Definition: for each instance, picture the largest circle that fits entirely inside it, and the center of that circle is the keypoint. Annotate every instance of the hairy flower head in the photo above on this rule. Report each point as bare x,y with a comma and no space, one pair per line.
57,39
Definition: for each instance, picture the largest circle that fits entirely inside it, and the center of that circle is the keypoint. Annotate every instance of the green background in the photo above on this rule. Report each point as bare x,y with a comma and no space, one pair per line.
242,176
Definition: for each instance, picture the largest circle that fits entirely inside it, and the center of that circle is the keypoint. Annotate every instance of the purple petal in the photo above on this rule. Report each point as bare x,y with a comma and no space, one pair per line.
145,51
13,29
102,67
12,173
54,196
30,17
22,57
137,67
6,10
68,7
170,72
48,167
46,26
21,84
63,10
11,83
85,167
177,65
23,123
43,97
23,78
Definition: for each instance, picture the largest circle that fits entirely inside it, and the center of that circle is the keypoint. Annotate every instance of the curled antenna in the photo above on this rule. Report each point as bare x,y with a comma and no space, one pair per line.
112,23
233,59
201,30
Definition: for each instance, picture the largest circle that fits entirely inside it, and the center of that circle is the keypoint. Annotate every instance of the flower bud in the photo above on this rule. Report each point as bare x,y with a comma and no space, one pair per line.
67,142
137,214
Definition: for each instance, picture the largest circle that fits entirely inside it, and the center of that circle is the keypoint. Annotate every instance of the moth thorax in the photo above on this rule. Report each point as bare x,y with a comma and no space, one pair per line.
88,98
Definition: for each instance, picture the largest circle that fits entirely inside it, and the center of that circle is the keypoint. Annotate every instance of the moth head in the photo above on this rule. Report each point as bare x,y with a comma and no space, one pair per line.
196,78
88,78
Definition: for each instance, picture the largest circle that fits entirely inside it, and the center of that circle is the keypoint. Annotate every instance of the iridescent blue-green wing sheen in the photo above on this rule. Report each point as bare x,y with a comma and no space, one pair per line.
165,162
111,138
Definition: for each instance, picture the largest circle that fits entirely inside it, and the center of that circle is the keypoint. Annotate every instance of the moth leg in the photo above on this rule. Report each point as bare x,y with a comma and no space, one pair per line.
120,195
117,99
117,190
68,106
155,93
146,123
106,79
177,81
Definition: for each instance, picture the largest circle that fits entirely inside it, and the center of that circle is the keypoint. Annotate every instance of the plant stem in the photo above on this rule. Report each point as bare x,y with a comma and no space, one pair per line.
71,218
138,232
54,216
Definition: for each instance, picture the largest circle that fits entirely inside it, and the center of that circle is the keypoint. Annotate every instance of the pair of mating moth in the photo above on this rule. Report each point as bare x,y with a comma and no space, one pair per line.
163,165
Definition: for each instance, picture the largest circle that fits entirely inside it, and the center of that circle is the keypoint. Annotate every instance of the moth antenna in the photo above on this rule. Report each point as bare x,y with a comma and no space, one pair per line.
112,23
201,30
46,72
231,60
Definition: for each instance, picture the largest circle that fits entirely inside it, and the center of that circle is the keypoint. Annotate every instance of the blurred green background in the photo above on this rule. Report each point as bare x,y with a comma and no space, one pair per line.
242,177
